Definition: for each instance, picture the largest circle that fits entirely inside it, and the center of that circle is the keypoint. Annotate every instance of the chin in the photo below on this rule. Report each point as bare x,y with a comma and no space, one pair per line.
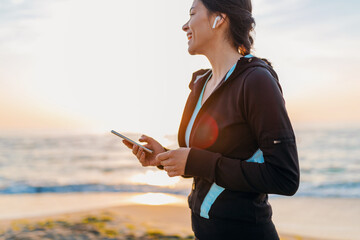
192,51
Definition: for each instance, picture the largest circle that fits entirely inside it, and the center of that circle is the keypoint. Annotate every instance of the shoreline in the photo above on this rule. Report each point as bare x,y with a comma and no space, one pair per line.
294,217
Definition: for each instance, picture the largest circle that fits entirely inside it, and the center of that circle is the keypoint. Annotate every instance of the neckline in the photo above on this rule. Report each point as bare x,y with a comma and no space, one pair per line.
203,90
228,74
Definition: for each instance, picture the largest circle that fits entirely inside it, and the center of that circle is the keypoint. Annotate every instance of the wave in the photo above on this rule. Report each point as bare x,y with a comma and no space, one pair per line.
25,188
330,190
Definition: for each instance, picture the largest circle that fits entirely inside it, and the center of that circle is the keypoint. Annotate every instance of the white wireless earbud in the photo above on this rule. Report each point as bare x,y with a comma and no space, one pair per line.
216,20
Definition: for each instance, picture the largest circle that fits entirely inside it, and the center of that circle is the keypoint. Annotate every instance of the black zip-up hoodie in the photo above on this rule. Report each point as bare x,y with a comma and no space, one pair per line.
243,114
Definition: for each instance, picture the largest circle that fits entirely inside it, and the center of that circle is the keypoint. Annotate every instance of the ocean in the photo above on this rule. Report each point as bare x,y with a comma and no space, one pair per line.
329,163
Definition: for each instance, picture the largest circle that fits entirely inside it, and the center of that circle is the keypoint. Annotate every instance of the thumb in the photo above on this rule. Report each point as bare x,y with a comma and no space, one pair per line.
145,138
162,156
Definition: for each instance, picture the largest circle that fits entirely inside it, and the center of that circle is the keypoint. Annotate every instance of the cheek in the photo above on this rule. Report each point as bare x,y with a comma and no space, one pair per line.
194,25
190,24
199,28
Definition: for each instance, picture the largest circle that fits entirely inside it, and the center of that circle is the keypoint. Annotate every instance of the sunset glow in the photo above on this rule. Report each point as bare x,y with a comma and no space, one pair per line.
95,72
155,178
155,199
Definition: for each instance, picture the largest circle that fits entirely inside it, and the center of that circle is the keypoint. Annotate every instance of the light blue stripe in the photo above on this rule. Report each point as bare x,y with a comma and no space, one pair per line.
198,106
258,157
209,199
195,113
230,72
215,189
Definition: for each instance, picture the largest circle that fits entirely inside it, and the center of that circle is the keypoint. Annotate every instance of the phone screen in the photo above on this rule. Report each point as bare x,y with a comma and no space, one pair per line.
132,141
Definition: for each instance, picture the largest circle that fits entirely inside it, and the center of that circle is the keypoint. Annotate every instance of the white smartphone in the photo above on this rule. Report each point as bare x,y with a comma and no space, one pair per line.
132,141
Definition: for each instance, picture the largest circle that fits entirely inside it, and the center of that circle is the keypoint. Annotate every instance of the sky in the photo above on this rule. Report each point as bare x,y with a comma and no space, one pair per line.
97,65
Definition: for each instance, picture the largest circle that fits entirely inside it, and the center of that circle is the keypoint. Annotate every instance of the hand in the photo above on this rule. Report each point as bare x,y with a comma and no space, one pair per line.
145,158
174,161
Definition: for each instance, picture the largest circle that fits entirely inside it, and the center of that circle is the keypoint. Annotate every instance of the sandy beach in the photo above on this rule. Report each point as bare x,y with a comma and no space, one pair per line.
141,216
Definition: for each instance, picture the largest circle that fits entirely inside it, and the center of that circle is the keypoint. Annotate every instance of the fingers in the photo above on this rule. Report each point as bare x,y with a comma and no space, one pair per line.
169,168
163,156
145,138
174,161
142,159
135,149
128,144
140,154
166,159
152,144
148,145
169,164
172,171
173,174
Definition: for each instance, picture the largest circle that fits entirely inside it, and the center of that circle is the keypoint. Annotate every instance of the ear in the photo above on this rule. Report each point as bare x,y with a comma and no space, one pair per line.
223,18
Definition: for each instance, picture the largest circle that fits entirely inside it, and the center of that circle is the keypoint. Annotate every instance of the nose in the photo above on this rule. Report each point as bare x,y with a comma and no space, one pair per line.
185,27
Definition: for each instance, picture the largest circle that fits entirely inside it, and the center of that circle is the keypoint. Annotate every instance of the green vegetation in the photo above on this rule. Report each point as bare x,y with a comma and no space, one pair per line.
102,226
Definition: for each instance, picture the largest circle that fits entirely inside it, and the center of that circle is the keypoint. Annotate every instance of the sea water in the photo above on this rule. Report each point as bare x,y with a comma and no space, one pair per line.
329,162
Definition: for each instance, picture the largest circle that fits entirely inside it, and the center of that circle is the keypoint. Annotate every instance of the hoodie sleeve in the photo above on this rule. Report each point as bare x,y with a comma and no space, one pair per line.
265,111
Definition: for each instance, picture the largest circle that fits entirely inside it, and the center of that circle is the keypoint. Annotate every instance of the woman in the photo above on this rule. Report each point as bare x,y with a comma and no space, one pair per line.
235,137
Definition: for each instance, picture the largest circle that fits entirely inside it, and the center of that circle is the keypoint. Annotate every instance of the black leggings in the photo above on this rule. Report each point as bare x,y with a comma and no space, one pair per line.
210,229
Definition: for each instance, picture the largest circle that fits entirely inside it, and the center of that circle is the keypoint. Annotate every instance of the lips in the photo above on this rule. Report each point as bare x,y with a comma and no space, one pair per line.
189,36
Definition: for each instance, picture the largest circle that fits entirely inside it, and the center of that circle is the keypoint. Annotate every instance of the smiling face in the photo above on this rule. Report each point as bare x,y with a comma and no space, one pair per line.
199,29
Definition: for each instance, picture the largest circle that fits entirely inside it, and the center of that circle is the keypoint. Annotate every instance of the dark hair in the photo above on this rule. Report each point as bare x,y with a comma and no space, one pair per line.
241,21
